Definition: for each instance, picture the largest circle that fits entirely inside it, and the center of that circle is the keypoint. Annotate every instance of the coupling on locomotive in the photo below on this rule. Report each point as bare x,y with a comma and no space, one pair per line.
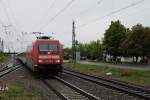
45,54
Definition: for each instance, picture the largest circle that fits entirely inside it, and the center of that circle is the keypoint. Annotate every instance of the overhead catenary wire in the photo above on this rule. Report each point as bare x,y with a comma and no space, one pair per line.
7,14
8,19
57,14
112,13
46,12
141,11
1,22
109,14
10,22
90,8
17,25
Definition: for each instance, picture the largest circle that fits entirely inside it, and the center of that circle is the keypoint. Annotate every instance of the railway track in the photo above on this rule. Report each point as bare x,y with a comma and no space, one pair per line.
67,91
7,70
130,89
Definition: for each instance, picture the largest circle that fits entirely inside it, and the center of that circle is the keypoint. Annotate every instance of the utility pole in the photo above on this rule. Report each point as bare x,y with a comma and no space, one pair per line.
73,43
2,46
5,28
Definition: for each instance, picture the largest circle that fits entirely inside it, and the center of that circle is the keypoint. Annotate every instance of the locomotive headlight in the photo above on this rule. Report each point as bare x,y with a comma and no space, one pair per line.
58,61
40,61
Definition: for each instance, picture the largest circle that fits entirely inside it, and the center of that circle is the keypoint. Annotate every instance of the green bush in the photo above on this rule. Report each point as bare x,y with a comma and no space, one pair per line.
2,57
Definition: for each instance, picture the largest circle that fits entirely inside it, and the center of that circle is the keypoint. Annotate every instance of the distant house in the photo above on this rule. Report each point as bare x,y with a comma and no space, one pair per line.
109,58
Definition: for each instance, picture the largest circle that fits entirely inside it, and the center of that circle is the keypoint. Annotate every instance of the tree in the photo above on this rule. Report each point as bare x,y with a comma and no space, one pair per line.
90,50
113,37
93,49
67,52
146,42
137,42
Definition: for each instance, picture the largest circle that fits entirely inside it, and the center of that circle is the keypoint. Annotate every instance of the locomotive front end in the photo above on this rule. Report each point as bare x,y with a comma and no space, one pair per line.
48,56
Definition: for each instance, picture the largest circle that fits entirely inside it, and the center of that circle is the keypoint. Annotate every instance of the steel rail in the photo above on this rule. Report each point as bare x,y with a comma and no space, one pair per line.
9,70
138,92
82,92
61,96
4,69
133,86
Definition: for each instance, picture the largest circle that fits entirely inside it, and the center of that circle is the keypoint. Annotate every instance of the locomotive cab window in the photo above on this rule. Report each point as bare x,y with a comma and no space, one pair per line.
49,47
52,47
43,47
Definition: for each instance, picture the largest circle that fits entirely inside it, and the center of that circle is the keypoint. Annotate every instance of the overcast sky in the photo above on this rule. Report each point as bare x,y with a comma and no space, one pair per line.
39,15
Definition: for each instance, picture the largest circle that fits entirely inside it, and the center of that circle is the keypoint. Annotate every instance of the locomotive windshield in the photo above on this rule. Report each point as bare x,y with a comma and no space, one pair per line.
47,47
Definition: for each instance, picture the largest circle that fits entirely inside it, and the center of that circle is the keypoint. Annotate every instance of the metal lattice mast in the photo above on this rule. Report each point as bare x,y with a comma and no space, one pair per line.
73,42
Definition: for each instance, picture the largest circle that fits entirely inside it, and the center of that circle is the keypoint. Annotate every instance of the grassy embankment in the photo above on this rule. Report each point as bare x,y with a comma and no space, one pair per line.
3,57
134,76
17,91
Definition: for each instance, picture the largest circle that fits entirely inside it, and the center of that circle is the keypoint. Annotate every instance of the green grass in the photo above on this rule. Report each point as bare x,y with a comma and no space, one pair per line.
3,57
129,75
19,92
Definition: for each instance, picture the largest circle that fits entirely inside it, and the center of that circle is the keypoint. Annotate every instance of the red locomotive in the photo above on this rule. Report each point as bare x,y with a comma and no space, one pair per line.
44,54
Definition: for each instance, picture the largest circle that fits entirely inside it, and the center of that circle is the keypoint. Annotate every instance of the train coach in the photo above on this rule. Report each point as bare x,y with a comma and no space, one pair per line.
45,55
